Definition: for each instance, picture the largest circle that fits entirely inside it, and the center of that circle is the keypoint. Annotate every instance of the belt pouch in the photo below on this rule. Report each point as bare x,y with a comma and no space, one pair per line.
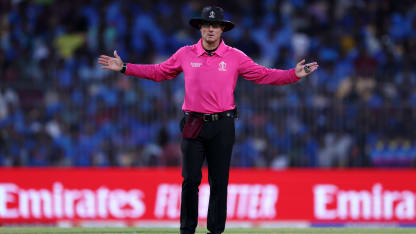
193,126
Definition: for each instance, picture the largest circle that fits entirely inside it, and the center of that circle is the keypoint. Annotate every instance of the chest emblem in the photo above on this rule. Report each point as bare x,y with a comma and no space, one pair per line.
222,66
195,64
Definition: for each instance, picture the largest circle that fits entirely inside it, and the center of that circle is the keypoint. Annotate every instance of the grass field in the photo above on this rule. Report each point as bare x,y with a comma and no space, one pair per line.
229,230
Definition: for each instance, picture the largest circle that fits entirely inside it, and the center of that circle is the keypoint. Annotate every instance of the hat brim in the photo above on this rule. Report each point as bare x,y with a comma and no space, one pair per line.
197,22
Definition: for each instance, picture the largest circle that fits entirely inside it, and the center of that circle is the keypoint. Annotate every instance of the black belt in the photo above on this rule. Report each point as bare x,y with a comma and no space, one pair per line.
214,116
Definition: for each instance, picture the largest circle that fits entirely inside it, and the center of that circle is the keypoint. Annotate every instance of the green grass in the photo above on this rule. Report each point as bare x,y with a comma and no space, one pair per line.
49,230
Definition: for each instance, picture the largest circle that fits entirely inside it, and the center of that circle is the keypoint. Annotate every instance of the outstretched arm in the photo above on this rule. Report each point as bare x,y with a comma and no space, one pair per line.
111,63
262,75
166,70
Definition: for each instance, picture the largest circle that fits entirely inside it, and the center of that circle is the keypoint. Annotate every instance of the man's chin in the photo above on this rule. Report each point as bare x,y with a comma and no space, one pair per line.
210,40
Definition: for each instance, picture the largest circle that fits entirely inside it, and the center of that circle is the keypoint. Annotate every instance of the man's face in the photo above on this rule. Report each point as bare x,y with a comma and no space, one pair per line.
211,32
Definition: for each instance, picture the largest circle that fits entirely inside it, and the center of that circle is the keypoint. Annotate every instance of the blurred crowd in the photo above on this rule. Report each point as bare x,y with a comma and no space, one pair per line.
58,108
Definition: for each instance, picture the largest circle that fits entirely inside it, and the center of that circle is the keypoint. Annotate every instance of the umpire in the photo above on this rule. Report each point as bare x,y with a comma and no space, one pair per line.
211,69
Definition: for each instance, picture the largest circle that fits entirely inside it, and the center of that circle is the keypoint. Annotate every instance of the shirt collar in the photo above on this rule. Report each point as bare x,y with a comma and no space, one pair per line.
219,51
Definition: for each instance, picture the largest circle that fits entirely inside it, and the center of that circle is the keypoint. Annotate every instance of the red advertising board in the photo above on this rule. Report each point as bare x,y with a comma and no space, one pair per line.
153,194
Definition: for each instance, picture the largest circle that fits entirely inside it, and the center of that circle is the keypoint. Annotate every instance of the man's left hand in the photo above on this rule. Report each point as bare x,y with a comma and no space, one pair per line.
303,69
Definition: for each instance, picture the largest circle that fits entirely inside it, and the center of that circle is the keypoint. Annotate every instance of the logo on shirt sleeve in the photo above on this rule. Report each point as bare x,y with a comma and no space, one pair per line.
222,66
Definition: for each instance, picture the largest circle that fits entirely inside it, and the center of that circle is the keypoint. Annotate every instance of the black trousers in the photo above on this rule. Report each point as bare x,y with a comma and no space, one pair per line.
214,143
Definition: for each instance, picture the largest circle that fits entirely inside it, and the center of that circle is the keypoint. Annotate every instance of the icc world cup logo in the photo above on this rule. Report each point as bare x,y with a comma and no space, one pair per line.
222,66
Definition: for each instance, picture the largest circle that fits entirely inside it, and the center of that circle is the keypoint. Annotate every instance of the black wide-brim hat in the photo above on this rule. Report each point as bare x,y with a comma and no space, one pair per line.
212,14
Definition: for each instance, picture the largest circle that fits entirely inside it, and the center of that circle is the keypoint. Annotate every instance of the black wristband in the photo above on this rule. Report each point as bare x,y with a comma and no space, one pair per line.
124,68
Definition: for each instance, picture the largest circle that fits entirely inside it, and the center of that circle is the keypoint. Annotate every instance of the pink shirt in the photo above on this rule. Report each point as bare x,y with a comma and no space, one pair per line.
210,80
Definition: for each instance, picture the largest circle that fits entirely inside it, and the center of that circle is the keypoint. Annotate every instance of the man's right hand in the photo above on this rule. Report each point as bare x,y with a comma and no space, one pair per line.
111,63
